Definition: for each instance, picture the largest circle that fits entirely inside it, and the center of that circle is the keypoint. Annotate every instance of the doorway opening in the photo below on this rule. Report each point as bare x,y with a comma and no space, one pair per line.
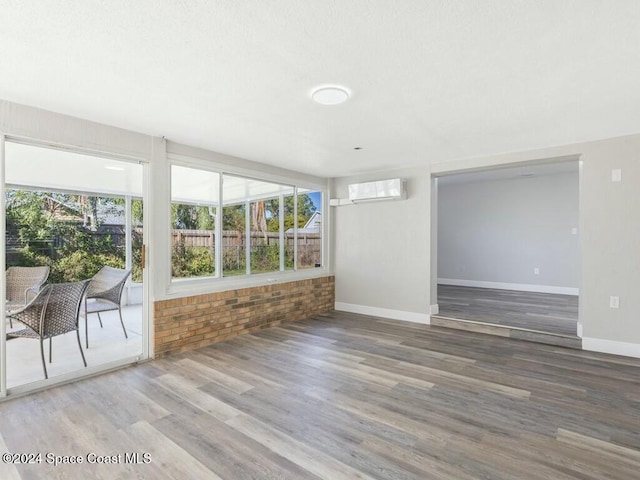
508,251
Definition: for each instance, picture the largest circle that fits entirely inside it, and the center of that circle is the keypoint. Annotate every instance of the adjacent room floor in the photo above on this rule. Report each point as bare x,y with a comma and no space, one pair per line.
544,312
343,397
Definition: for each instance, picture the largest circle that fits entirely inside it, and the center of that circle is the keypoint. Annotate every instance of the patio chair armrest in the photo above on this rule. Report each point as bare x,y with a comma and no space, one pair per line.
31,291
112,294
28,315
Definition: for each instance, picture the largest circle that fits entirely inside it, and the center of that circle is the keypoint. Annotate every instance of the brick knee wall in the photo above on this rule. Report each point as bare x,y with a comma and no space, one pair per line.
191,322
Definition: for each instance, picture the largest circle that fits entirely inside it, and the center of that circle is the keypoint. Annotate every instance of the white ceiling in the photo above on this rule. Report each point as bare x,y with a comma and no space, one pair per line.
432,80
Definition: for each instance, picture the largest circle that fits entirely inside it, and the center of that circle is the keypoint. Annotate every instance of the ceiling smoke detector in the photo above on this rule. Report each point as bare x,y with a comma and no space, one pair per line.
330,95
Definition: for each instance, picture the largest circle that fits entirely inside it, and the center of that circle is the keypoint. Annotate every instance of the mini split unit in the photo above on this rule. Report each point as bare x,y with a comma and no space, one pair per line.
392,189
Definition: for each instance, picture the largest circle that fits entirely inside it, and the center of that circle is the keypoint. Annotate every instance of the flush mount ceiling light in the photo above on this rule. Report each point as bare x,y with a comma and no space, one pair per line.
330,95
115,168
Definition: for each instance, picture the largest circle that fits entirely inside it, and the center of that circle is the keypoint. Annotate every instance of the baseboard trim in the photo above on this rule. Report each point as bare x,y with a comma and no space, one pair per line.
610,346
414,317
523,287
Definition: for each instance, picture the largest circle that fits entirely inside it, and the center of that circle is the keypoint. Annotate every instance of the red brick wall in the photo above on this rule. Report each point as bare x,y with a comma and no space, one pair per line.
191,322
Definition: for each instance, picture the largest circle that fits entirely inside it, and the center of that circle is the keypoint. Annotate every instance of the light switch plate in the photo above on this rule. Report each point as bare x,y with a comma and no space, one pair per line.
616,175
614,302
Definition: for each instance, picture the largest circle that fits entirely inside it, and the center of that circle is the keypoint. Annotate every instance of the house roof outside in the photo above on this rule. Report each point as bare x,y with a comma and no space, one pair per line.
313,225
108,214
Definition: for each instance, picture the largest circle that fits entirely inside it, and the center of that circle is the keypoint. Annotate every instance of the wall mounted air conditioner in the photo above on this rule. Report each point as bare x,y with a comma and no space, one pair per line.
392,189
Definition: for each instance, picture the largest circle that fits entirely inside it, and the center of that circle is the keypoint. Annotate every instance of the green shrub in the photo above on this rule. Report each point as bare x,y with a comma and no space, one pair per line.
233,260
265,258
192,262
81,265
30,258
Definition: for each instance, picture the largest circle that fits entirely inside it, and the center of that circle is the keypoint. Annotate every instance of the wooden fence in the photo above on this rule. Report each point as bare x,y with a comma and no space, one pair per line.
236,238
234,245
309,244
191,238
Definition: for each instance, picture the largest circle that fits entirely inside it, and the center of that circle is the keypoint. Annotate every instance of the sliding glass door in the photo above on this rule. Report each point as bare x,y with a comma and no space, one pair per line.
73,249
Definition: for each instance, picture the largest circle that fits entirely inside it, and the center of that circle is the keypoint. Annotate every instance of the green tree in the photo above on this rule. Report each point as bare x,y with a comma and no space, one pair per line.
33,216
205,218
137,209
192,217
183,216
233,218
306,208
50,231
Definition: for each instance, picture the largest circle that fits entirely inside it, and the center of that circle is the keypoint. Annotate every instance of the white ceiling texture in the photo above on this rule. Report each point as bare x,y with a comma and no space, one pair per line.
430,81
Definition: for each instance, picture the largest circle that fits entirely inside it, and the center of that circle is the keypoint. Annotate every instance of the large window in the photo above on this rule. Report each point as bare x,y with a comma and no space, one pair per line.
264,226
309,232
194,200
253,225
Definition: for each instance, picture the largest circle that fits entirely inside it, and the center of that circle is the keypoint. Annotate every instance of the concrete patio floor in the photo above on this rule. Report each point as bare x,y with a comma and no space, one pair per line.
106,345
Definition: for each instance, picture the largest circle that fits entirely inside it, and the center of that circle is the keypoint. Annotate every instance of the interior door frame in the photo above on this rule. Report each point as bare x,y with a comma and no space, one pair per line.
434,225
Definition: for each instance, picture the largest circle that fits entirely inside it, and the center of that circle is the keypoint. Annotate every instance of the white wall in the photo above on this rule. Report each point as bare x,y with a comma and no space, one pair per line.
40,125
609,235
609,240
610,226
494,233
382,251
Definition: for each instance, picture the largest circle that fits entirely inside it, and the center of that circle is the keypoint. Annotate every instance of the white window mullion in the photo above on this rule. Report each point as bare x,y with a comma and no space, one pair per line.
217,235
282,236
324,245
295,228
128,241
247,223
128,225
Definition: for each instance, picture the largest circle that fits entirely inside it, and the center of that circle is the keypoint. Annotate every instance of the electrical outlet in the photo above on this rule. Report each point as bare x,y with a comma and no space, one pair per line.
536,271
574,231
614,302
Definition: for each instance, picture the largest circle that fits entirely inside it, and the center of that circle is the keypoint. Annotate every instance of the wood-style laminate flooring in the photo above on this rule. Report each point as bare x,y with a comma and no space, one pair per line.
544,312
343,397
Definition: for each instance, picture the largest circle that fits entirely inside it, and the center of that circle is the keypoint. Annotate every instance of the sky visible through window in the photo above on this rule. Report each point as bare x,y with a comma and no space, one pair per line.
316,198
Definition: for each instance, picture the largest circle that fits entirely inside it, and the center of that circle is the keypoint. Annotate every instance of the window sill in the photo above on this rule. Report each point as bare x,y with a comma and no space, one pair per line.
204,285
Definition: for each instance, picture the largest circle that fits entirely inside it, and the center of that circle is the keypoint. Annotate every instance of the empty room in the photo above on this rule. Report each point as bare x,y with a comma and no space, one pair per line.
336,240
508,251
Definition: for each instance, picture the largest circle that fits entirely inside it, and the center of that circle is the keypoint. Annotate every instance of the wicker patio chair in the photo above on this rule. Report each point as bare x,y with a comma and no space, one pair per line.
23,284
105,289
54,311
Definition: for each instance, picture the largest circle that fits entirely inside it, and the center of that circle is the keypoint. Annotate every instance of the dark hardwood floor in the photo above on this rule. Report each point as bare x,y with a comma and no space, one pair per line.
343,397
544,312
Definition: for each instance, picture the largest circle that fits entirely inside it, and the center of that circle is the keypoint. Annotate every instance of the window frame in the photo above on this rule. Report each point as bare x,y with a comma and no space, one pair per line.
218,226
195,285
